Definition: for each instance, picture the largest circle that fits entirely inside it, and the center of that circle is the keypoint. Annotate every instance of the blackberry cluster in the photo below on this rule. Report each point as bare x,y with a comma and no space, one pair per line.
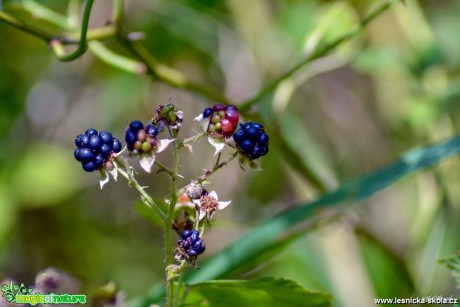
251,140
140,139
223,120
95,148
190,246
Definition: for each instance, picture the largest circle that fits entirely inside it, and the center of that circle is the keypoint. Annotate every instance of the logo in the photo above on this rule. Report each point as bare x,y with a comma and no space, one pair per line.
20,294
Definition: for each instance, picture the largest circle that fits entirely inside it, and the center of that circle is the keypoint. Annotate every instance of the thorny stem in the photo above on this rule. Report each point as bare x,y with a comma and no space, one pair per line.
144,196
216,167
168,220
193,138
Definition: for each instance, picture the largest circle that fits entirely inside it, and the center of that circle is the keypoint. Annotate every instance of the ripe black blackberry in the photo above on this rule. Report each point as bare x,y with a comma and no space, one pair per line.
251,140
190,246
95,148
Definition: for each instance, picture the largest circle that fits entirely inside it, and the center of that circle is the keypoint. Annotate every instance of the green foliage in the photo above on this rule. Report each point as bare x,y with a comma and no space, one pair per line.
263,291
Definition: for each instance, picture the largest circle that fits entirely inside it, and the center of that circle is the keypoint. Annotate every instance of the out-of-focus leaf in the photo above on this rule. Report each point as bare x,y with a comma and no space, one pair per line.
7,214
262,238
296,140
387,271
257,292
337,19
149,214
44,177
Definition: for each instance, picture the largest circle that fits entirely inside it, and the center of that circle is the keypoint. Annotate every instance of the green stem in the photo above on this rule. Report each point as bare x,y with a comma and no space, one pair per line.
168,221
216,167
84,29
193,138
28,28
317,54
167,74
145,197
108,56
117,12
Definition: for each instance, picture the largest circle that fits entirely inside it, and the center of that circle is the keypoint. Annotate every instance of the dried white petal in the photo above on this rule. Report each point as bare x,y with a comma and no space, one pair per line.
104,177
218,145
164,144
223,204
213,194
199,118
146,161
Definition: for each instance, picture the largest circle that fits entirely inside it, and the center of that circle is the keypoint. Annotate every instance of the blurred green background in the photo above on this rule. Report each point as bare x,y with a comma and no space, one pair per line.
394,87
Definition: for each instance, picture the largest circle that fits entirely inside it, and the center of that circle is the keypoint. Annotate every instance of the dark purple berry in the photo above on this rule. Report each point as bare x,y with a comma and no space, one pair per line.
239,136
247,126
106,137
85,140
95,142
197,244
116,146
246,145
258,126
130,137
84,154
76,154
89,166
207,112
136,125
262,139
78,141
99,160
91,131
105,150
256,152
231,107
186,234
192,252
151,130
201,249
195,235
218,107
264,150
252,133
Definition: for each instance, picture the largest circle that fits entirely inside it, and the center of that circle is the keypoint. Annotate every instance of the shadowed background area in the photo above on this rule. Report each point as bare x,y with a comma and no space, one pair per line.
393,87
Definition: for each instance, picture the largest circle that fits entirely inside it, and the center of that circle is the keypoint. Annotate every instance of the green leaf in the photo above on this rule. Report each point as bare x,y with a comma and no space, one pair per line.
453,263
265,291
42,176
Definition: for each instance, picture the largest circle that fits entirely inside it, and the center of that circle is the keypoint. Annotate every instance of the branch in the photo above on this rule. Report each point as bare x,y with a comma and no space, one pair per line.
82,46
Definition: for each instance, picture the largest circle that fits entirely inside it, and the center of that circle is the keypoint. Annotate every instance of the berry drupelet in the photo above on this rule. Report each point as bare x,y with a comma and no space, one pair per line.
223,120
190,245
95,148
251,140
140,139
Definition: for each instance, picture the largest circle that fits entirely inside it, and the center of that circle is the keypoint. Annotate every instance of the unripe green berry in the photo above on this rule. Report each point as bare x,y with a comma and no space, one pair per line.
215,119
221,114
146,146
217,126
